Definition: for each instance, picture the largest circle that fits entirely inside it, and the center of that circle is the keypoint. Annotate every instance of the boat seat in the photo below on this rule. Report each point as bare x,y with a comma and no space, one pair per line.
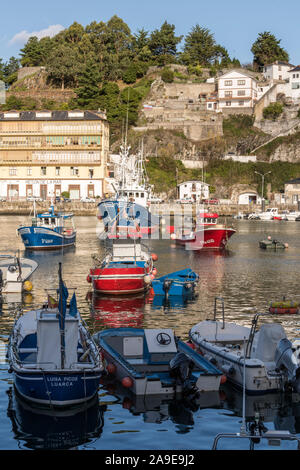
266,341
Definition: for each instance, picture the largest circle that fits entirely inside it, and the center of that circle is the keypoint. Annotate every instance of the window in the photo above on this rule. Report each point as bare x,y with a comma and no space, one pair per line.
279,67
74,171
91,173
57,170
43,170
228,93
12,172
228,82
241,103
241,92
295,85
228,103
241,82
29,171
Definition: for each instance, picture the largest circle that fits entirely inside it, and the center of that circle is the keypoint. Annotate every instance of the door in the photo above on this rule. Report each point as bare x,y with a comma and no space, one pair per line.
74,191
91,192
57,190
13,191
28,190
43,191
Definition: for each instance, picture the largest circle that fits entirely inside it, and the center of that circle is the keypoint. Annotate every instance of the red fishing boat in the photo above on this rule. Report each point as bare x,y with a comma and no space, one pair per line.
207,234
127,269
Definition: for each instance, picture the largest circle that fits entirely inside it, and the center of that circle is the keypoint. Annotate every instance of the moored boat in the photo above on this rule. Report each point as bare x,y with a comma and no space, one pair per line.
155,362
125,269
263,359
54,360
272,244
48,230
15,273
181,283
207,234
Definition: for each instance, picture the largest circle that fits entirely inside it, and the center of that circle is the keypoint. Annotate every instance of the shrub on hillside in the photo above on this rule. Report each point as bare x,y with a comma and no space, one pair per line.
273,111
167,75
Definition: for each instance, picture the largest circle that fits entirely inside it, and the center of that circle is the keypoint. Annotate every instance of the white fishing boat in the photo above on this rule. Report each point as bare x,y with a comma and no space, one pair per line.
130,181
269,214
271,360
15,273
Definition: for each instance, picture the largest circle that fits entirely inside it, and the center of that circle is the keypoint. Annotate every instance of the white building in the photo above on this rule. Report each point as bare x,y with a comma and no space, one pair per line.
294,83
249,197
277,71
237,90
195,190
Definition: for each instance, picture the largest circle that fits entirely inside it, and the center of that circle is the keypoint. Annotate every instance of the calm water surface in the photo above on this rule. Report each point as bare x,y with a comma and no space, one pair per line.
245,276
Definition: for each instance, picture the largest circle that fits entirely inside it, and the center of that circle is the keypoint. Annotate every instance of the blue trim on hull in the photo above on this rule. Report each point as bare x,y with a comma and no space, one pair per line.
62,389
47,239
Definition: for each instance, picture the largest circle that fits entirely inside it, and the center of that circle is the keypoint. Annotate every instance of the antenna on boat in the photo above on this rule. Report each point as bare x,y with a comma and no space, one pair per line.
243,429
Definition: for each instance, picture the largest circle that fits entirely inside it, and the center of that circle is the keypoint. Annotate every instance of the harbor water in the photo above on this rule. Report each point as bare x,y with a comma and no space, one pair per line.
245,276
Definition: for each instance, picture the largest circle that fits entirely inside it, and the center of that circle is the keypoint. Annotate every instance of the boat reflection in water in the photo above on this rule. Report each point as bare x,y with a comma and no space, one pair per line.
283,411
156,409
115,312
44,428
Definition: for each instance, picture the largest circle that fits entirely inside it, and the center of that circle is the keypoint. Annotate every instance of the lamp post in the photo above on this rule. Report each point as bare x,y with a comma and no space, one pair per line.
262,187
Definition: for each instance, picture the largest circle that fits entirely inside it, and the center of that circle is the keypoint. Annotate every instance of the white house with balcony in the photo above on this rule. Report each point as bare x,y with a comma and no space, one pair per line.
195,190
236,90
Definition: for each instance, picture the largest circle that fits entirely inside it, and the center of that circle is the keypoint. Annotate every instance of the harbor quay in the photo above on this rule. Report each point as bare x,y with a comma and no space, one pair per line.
21,207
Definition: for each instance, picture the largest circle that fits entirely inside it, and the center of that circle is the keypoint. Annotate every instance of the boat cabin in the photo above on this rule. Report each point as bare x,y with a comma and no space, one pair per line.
208,218
56,221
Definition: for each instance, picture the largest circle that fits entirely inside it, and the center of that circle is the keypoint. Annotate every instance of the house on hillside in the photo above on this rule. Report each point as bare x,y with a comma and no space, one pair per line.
278,70
292,191
294,83
195,190
237,92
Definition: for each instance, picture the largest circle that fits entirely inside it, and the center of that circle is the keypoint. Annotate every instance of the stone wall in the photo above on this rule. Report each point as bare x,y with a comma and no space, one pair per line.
26,71
61,96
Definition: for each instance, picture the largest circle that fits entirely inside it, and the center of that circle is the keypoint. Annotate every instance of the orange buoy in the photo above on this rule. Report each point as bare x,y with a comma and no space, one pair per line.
111,369
127,382
154,256
223,379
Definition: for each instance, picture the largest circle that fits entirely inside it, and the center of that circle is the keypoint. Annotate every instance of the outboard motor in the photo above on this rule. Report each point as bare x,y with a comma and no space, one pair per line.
287,360
180,368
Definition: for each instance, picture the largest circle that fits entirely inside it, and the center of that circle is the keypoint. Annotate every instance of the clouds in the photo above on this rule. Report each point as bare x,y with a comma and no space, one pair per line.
23,36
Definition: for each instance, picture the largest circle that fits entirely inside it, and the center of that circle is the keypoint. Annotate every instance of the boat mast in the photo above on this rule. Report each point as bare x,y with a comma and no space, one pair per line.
61,319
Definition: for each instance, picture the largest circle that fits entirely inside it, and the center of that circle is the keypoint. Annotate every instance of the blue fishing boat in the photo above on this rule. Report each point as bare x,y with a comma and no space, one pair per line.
54,360
48,230
155,362
123,219
179,283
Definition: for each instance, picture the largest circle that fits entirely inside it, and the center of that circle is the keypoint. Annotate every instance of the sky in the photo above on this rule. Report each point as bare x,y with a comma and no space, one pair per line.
234,23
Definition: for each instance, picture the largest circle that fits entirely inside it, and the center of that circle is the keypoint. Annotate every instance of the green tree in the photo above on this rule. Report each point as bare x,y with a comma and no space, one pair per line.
88,81
35,52
64,66
163,43
273,111
200,48
266,49
167,75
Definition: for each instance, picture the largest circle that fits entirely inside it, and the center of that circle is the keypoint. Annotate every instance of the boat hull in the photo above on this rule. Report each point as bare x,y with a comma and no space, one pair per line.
41,238
58,389
118,281
211,238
